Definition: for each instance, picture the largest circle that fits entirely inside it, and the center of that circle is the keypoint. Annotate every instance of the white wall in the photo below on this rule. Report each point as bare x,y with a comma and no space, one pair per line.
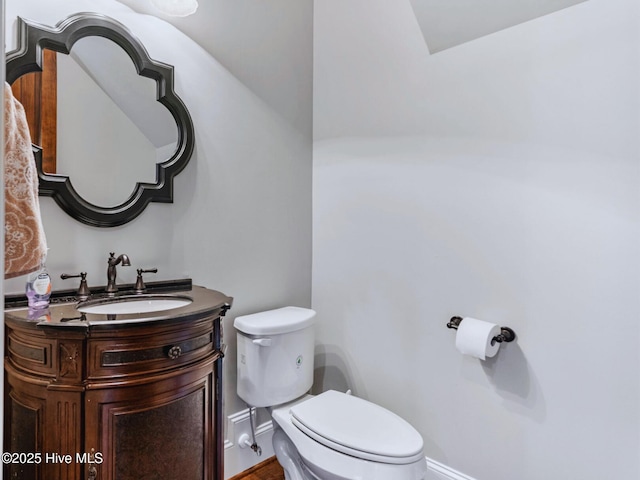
241,220
498,179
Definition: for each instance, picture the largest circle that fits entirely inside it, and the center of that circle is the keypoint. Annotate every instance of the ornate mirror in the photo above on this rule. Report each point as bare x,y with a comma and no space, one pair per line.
120,133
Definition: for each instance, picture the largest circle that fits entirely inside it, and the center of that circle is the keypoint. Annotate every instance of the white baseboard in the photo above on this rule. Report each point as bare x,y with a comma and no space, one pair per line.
439,471
238,459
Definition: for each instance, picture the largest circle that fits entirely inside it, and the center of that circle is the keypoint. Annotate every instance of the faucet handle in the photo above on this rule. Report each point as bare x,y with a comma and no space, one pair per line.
140,288
83,291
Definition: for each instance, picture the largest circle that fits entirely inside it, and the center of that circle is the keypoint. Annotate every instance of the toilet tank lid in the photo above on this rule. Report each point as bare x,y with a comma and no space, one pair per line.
273,322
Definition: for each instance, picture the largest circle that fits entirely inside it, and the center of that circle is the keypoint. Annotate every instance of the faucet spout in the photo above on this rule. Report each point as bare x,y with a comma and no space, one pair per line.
123,259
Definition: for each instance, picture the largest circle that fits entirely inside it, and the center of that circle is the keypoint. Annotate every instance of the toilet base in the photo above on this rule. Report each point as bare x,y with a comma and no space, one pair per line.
289,458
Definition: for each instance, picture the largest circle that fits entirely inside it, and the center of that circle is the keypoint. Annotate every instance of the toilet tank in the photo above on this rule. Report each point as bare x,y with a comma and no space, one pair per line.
275,355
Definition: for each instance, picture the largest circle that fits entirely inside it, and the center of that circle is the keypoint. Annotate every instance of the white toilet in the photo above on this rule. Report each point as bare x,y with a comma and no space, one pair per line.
331,436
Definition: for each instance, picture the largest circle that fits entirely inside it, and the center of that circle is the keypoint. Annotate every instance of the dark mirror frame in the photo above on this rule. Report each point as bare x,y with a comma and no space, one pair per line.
32,39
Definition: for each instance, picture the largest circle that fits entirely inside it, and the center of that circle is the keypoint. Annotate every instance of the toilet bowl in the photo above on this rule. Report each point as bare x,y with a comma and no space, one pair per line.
330,436
336,436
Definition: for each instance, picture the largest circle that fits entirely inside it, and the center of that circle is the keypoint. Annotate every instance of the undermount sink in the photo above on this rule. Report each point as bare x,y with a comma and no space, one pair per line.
134,304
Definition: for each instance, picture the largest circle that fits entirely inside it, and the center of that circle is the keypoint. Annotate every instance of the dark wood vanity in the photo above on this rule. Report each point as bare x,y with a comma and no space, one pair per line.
125,397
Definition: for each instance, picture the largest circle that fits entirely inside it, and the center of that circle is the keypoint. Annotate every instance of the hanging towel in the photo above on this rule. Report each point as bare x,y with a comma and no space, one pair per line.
25,245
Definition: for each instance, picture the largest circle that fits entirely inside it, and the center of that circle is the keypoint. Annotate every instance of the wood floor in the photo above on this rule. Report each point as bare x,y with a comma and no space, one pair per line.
270,469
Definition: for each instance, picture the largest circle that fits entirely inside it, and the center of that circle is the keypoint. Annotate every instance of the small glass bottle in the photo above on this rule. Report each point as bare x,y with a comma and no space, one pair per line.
38,289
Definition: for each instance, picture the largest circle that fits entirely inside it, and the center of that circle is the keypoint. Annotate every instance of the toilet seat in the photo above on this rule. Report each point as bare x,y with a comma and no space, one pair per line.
358,428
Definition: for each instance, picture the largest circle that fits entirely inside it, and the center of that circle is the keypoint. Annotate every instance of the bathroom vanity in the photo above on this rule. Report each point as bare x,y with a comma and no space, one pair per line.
116,395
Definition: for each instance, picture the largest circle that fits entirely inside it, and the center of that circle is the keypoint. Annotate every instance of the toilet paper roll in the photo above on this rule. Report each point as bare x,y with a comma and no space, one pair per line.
474,338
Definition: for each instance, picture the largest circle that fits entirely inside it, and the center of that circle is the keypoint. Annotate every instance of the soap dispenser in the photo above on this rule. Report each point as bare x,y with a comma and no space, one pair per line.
38,289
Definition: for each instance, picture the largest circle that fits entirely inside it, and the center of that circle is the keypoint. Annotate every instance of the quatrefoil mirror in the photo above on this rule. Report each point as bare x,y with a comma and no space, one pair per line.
109,132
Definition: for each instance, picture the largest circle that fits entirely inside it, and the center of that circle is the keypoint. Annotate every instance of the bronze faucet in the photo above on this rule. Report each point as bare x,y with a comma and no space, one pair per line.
111,272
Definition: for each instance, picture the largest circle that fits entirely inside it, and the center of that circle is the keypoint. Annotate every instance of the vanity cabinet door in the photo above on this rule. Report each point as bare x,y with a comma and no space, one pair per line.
164,429
42,406
24,424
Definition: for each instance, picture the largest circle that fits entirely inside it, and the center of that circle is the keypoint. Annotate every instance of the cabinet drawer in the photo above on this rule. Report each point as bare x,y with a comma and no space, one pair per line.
32,354
109,358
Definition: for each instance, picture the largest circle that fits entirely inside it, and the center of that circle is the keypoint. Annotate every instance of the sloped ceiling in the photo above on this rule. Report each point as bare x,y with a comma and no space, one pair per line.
447,23
267,45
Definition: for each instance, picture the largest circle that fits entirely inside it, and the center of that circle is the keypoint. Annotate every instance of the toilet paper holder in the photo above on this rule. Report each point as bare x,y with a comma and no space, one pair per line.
506,333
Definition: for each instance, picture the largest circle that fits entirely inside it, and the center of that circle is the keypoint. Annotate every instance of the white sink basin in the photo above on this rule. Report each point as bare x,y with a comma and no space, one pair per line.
134,304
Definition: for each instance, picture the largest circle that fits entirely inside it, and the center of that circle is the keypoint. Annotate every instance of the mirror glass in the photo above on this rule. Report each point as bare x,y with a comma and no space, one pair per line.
125,131
111,130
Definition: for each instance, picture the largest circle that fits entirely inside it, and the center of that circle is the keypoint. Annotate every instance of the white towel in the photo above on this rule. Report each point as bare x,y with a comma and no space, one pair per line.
25,244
